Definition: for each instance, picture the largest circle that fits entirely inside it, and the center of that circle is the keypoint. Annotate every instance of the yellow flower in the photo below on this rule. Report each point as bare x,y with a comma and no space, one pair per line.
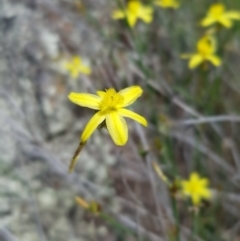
218,14
196,188
206,48
135,9
93,207
110,108
75,67
167,3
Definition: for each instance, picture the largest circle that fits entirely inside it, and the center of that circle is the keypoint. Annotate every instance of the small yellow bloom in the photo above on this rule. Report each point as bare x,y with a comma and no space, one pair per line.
135,9
206,48
75,67
196,188
218,14
110,108
167,3
93,207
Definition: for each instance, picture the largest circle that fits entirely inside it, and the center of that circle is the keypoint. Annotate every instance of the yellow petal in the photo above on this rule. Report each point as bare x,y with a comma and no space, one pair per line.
130,114
117,128
215,60
217,9
85,69
208,21
146,14
206,193
167,3
232,15
85,100
194,177
196,199
74,73
92,125
195,61
226,22
101,93
204,182
131,19
130,94
118,14
134,6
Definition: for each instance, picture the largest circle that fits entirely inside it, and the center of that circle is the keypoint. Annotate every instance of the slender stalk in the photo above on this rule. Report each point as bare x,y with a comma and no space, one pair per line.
194,225
75,156
176,217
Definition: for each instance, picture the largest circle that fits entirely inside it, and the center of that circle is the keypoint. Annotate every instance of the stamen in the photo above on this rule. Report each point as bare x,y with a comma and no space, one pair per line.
111,100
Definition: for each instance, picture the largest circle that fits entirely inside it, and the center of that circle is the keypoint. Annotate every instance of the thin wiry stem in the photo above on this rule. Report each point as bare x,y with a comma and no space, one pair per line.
149,160
205,150
5,235
210,119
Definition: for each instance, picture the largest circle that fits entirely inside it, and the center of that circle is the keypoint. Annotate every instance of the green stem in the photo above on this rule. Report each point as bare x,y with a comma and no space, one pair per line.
194,225
119,228
176,217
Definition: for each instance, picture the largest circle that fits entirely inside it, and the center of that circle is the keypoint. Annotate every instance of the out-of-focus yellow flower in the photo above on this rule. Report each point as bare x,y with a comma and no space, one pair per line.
218,14
135,9
206,48
93,207
75,66
196,188
110,112
167,3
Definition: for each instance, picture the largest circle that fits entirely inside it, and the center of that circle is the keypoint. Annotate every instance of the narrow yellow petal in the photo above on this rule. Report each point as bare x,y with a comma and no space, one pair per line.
232,15
217,9
85,100
85,69
117,128
208,21
194,177
74,73
146,14
195,61
196,199
167,3
130,94
130,114
92,125
204,182
215,60
118,14
101,93
206,193
226,22
131,19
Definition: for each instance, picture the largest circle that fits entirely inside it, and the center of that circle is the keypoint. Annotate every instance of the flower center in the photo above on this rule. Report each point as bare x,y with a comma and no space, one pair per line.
111,101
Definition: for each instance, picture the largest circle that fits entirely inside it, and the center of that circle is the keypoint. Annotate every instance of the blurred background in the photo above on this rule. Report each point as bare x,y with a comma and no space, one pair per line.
193,126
